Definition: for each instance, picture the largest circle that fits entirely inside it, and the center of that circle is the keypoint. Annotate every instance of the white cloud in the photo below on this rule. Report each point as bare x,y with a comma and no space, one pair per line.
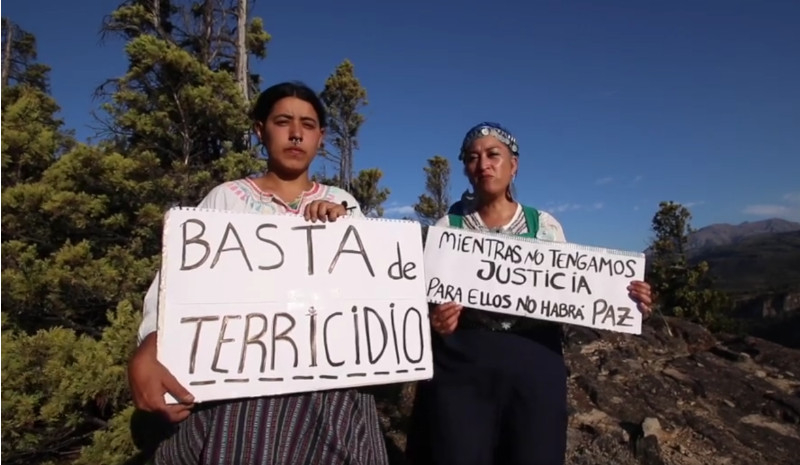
694,204
792,197
767,210
788,209
634,181
604,180
566,207
399,210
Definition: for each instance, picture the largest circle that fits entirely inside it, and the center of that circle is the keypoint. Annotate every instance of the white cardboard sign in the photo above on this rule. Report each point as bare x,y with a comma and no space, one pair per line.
255,305
560,282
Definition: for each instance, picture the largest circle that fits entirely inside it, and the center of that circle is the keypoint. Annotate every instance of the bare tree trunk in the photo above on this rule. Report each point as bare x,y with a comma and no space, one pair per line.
242,68
156,12
346,165
208,31
350,152
343,168
9,30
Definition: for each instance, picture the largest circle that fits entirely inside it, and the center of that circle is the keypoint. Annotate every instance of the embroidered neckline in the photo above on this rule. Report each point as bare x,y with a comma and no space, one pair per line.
477,217
293,205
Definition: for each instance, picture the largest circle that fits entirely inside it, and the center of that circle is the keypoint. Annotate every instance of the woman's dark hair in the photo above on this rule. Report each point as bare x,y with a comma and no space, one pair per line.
267,100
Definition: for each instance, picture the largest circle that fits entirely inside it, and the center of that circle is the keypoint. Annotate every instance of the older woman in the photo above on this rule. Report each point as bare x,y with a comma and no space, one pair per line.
498,394
331,427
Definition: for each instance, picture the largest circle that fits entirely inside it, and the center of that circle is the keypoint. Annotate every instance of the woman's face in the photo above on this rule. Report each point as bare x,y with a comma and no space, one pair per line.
489,166
291,119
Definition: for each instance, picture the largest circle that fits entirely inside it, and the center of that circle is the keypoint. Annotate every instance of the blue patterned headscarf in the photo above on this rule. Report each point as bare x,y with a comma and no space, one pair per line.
489,129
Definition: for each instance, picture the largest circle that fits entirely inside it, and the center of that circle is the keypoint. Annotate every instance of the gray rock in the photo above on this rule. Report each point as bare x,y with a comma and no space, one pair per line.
651,427
685,399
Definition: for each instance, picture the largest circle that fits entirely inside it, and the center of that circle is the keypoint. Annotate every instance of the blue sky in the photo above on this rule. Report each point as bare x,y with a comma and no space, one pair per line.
617,105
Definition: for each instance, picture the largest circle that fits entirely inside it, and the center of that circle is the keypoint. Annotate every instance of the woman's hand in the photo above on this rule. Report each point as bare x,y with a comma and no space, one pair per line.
324,211
640,292
150,380
445,317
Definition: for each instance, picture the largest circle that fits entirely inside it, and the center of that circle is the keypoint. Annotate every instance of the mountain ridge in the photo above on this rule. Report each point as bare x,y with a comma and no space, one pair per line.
720,234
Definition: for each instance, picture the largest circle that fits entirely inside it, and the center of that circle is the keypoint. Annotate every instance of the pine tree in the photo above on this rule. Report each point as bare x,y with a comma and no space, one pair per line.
434,203
82,224
19,59
67,269
33,137
344,96
180,99
682,289
369,195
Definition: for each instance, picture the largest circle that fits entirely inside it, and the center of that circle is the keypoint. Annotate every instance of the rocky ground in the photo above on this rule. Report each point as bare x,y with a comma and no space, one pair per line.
676,395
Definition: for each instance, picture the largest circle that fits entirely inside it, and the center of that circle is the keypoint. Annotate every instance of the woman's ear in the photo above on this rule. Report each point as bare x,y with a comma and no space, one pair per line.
321,140
466,175
258,128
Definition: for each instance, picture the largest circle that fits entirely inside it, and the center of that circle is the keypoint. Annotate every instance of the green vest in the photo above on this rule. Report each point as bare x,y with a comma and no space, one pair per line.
531,218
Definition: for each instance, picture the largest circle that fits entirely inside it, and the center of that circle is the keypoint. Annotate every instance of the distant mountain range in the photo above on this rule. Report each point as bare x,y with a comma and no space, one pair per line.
755,264
727,234
752,258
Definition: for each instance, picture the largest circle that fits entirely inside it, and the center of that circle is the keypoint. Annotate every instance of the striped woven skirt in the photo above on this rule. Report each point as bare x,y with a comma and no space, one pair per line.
337,427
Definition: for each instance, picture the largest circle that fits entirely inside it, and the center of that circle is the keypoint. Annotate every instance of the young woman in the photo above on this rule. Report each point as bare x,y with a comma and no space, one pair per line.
330,427
498,394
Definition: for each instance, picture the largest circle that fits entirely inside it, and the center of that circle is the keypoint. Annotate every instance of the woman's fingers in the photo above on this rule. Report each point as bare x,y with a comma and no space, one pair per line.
641,293
445,317
322,210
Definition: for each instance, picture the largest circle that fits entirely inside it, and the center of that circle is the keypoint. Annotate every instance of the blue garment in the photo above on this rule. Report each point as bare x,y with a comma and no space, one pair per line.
496,397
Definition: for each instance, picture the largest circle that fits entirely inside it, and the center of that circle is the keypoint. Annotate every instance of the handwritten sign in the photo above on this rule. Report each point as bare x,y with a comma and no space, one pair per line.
559,282
255,305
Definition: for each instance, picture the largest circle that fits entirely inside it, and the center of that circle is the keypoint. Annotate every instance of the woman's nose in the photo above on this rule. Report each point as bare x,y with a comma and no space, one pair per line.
295,131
